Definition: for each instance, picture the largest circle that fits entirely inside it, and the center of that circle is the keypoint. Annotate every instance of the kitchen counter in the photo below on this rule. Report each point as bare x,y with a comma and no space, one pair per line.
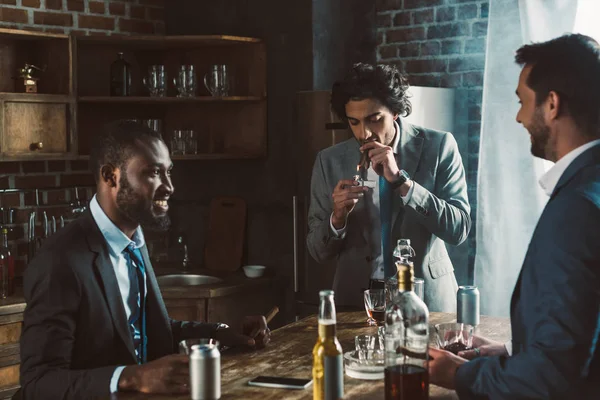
14,304
289,355
11,320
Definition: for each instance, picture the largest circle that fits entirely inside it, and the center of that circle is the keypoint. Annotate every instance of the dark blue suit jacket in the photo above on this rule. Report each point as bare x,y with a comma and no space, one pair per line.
555,304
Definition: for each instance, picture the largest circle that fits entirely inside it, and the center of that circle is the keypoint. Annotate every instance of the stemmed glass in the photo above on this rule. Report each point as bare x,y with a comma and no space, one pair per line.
375,306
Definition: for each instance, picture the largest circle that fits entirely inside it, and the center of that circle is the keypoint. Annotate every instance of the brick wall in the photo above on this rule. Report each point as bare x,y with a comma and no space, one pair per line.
441,43
85,17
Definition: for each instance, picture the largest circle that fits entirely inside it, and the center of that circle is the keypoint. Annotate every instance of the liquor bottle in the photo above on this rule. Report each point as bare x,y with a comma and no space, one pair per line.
406,341
120,77
7,267
328,370
404,251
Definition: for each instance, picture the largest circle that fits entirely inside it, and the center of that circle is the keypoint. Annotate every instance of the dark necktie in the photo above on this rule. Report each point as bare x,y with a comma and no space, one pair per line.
385,213
137,301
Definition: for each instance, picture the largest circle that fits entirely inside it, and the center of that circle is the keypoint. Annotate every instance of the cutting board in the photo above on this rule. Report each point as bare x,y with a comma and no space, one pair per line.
226,234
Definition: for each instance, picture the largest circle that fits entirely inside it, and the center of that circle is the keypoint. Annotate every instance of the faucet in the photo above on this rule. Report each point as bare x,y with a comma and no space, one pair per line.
185,260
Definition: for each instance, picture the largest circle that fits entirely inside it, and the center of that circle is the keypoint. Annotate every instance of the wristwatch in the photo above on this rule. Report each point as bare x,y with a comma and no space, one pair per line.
401,179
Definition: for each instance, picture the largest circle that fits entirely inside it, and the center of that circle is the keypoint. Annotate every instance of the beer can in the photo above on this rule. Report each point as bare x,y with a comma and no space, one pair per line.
205,372
467,303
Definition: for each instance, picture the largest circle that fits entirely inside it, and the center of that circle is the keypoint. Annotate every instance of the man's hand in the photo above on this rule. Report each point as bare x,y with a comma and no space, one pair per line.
442,367
167,375
345,196
255,333
382,157
486,347
256,328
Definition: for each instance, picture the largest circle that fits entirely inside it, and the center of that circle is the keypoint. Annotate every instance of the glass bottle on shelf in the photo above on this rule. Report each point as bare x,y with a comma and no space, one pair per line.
120,77
406,340
7,267
328,369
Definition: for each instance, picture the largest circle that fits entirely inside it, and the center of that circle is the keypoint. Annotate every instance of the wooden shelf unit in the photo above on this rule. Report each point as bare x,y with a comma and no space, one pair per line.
73,103
165,100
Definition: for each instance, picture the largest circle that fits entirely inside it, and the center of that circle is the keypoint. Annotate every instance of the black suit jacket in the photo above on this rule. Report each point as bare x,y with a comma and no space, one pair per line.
75,330
555,308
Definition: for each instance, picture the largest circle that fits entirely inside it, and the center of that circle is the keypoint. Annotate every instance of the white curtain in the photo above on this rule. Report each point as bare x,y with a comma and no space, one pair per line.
509,199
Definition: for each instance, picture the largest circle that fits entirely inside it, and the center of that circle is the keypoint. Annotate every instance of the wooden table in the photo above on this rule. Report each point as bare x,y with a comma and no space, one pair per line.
289,355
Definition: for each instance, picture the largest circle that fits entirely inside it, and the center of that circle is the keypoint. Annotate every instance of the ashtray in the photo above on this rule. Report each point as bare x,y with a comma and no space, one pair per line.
371,368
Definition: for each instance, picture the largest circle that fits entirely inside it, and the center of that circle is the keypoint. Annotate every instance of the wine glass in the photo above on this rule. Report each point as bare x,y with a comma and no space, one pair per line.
375,306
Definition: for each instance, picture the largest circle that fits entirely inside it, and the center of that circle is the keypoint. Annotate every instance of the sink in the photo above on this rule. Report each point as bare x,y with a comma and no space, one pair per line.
187,280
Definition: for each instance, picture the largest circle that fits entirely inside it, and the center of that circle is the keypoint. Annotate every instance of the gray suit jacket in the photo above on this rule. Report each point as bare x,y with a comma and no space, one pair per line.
555,307
437,212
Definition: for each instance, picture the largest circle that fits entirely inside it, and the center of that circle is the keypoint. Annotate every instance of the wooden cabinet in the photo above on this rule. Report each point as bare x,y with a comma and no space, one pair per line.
36,125
74,103
227,302
11,322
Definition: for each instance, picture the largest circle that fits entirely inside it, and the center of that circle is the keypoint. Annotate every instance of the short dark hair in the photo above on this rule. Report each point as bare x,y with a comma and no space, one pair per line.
117,142
570,66
383,82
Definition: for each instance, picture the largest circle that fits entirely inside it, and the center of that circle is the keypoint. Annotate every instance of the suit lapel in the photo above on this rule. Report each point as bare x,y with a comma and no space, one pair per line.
588,157
158,328
108,279
408,155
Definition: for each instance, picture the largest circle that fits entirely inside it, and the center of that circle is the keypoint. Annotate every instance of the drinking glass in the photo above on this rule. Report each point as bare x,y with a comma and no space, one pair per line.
217,80
454,336
191,142
381,336
364,345
154,124
156,81
178,142
185,81
420,288
375,306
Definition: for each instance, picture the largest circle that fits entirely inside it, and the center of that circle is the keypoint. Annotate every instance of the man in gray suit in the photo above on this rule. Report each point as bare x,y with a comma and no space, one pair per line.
555,308
423,172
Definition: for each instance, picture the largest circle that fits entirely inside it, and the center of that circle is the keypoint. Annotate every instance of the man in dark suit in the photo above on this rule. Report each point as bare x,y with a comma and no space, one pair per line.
95,321
555,306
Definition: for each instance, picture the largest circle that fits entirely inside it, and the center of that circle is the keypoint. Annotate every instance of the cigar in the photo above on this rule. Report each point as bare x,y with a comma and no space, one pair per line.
271,314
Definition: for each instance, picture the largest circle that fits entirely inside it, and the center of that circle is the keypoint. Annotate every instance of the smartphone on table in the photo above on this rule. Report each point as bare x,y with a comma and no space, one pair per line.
280,382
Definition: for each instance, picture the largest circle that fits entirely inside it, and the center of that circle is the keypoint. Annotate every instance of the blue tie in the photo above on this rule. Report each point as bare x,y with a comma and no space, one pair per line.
385,213
137,301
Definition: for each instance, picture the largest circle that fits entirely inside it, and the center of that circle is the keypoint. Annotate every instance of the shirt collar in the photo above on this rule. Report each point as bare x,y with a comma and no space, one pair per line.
396,140
549,180
116,239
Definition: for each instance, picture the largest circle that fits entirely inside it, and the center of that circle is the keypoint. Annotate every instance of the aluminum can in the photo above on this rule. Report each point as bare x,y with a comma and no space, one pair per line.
205,372
467,304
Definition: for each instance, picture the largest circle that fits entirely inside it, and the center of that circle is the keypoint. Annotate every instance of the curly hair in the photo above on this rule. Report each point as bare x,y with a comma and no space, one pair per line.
383,82
570,66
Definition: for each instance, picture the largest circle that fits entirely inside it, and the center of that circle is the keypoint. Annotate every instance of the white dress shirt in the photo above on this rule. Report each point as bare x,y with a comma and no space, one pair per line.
373,210
550,179
117,242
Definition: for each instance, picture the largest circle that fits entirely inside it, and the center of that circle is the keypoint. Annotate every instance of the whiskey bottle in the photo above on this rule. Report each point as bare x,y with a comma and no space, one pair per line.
406,341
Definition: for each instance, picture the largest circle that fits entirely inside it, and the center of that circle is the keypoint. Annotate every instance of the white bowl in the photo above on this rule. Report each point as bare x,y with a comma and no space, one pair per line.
254,271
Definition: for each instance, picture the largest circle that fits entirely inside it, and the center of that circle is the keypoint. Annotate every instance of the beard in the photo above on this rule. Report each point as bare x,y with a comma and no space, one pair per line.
138,209
540,135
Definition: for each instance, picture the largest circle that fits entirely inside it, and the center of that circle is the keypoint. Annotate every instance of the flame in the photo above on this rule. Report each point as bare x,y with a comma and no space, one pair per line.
358,168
